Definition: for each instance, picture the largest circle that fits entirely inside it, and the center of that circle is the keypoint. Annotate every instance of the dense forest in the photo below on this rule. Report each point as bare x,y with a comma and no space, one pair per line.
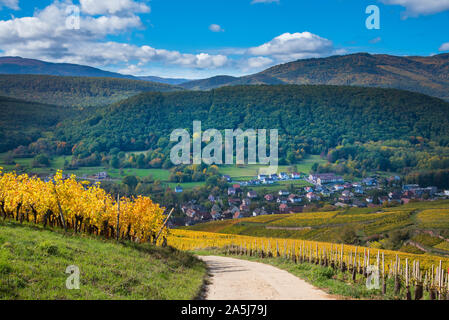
75,91
310,119
359,130
22,122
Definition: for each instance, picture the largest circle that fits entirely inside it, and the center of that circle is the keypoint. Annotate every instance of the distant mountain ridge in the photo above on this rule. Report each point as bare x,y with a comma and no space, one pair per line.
428,75
172,81
19,65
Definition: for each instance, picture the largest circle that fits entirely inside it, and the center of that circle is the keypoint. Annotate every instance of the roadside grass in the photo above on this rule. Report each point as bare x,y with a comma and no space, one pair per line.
33,261
327,279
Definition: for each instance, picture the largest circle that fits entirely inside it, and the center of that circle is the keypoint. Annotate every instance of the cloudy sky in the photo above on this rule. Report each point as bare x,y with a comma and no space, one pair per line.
201,38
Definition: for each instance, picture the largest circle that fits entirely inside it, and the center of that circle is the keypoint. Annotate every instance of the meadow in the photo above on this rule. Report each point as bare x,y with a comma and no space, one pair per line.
33,262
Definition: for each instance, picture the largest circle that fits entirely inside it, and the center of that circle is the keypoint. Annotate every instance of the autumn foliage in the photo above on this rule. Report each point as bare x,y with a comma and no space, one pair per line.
78,206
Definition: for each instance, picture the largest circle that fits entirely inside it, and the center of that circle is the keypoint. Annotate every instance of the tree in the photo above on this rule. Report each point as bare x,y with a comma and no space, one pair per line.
115,162
131,182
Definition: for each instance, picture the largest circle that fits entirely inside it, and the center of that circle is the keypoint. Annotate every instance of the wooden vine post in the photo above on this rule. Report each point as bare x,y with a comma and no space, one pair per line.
61,214
117,229
163,226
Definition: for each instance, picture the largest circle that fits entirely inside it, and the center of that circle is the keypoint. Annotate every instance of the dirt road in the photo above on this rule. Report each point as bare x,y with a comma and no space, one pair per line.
234,279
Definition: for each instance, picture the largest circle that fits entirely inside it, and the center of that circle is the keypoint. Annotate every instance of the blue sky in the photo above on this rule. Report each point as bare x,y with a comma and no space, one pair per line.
201,38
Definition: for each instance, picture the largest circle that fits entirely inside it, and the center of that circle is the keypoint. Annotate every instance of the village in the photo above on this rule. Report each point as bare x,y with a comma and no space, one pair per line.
326,191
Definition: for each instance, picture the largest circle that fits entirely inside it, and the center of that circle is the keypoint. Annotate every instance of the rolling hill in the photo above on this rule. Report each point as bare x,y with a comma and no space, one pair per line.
75,91
311,117
428,75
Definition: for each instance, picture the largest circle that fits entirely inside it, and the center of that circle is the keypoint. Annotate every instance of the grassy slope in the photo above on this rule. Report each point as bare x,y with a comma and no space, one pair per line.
328,226
33,263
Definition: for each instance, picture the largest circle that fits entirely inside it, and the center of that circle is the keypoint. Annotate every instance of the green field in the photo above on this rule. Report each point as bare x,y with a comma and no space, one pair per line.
243,173
33,262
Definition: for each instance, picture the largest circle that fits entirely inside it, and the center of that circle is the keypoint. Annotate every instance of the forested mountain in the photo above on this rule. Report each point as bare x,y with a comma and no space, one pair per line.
310,119
75,91
428,75
22,122
18,65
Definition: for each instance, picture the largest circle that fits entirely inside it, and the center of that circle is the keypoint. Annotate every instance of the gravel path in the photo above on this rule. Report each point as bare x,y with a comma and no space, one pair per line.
235,279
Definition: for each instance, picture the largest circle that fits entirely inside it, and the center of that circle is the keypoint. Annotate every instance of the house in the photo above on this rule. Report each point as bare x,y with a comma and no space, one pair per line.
269,197
283,208
347,193
356,185
282,200
283,176
231,191
347,185
237,215
369,200
260,212
446,193
394,195
244,207
369,181
358,204
246,202
405,200
227,178
312,197
339,187
190,213
308,189
293,198
295,175
215,212
283,193
101,175
325,178
236,187
262,176
252,194
178,189
341,205
344,199
234,201
211,198
359,190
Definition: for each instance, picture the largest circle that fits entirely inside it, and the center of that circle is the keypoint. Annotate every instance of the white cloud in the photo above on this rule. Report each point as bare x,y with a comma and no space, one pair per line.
444,47
259,62
45,36
96,7
216,28
264,1
293,46
415,8
12,4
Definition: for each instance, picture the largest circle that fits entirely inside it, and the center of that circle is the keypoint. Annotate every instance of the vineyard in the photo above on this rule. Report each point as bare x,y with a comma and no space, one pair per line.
408,271
79,206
